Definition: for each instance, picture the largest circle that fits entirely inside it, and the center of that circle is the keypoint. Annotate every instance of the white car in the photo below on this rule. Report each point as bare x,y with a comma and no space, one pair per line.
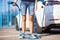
48,15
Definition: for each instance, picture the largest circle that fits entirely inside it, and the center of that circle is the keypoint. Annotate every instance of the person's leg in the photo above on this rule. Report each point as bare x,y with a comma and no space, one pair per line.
31,23
23,13
23,23
31,18
31,13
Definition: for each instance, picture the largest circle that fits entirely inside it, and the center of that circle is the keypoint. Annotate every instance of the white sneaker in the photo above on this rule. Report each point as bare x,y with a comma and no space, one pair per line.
21,36
32,36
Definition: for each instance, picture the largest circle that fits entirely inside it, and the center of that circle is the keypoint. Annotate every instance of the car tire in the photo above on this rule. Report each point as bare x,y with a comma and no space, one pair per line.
38,28
47,29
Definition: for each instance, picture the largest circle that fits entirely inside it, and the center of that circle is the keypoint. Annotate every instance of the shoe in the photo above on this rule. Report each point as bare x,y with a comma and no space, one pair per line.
32,36
21,36
27,35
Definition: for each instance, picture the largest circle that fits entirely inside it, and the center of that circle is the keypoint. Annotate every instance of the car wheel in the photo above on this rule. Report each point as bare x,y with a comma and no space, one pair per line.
38,28
47,29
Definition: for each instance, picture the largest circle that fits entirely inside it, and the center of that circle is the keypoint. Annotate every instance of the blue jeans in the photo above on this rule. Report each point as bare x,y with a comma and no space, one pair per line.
25,5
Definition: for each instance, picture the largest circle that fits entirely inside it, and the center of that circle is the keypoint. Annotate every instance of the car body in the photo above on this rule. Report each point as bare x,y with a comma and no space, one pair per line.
48,14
